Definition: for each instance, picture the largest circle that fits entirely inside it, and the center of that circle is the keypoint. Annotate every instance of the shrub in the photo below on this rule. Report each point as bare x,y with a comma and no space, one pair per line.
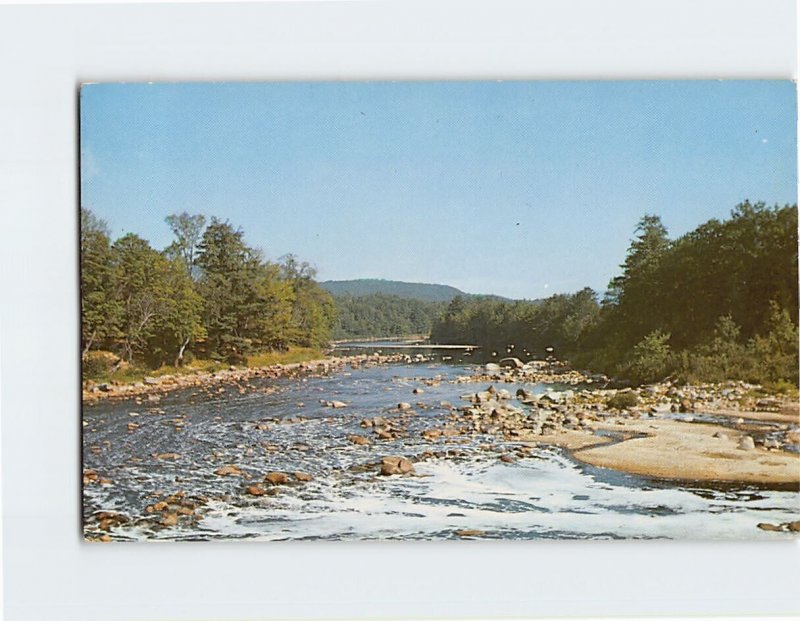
237,359
623,401
650,359
98,364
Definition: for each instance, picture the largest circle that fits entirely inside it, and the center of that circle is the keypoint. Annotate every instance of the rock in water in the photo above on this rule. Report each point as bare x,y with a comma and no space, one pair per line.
303,476
492,367
338,404
277,478
396,465
770,527
746,443
228,471
355,439
255,490
514,363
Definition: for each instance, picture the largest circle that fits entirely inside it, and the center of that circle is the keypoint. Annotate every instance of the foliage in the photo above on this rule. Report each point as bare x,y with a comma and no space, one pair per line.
187,230
623,401
98,363
718,303
714,290
523,327
208,293
381,315
313,311
649,360
99,307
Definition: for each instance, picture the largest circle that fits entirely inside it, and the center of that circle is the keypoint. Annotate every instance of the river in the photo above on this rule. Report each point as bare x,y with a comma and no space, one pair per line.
284,425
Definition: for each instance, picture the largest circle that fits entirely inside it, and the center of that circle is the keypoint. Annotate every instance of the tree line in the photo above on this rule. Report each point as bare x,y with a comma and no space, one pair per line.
207,294
718,303
378,315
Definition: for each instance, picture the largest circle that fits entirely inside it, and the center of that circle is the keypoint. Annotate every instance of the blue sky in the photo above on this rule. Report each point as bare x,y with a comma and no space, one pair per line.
521,189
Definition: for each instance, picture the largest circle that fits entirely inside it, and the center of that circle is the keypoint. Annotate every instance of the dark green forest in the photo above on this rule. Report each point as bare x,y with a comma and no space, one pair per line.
207,295
718,303
378,315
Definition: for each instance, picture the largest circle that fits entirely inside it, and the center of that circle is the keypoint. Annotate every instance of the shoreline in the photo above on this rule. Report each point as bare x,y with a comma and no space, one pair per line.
648,441
92,392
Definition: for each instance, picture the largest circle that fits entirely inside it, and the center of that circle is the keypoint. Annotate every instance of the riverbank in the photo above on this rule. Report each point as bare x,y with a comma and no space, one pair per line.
153,386
732,432
726,433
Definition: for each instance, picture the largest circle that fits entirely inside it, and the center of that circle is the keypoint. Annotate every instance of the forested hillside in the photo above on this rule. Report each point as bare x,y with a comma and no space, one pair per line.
380,315
718,303
376,286
207,295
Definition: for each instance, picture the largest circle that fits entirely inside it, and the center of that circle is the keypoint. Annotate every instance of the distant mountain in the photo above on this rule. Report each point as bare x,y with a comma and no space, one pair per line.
413,290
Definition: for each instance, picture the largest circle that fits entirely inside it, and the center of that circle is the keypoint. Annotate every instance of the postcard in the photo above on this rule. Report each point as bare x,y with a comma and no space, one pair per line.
439,310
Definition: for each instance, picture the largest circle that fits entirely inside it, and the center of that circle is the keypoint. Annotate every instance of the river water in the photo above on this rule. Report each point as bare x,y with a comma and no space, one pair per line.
281,425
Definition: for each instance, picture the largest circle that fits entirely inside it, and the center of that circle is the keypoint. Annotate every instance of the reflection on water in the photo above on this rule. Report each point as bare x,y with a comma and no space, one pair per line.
177,444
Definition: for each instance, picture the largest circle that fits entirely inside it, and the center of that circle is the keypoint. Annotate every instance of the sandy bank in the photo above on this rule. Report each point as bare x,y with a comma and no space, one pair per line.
690,451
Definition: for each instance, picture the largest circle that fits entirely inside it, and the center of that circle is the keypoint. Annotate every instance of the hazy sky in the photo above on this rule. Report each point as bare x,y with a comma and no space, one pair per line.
521,189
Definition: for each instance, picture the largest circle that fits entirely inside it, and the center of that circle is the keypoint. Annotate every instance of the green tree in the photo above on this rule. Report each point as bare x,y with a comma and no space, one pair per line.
99,306
229,271
650,358
313,310
775,352
142,290
180,321
188,230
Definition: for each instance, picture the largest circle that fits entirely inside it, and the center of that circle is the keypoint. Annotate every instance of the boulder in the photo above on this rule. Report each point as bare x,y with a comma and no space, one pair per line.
303,477
746,443
513,363
255,490
396,465
337,404
277,478
228,471
355,439
769,527
403,406
492,367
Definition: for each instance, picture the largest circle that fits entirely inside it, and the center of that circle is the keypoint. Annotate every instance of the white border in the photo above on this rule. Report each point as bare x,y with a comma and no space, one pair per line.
46,50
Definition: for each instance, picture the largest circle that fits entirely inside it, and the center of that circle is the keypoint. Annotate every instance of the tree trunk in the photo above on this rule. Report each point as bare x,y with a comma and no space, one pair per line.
179,359
88,344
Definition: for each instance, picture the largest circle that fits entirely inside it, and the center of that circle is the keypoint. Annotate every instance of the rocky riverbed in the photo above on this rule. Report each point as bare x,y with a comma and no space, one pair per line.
239,377
411,447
